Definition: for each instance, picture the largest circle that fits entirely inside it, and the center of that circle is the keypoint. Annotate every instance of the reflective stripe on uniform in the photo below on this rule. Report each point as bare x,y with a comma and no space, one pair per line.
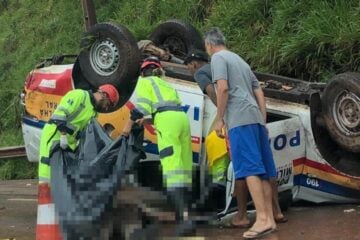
219,178
178,172
156,90
76,113
69,116
166,104
153,104
178,178
67,113
161,102
68,124
58,117
177,185
144,100
142,110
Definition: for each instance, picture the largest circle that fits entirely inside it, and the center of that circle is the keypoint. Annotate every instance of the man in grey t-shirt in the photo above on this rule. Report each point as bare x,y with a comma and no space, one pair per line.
241,105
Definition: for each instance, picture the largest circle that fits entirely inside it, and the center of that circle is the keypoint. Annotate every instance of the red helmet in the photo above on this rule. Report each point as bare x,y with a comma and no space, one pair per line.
150,61
111,92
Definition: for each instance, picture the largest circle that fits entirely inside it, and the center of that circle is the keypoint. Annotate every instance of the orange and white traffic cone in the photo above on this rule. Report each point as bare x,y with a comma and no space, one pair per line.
47,227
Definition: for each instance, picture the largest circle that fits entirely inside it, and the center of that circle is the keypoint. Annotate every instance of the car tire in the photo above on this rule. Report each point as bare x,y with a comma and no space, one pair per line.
178,37
340,159
110,55
79,80
341,110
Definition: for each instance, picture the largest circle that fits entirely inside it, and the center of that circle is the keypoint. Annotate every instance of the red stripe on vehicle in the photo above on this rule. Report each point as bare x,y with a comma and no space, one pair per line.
317,165
299,161
51,83
195,140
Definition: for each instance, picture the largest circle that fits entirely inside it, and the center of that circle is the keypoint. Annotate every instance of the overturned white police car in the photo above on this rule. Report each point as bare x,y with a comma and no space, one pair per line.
314,128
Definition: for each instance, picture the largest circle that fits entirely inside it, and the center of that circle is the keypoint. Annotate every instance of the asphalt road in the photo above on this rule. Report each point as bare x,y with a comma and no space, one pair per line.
306,221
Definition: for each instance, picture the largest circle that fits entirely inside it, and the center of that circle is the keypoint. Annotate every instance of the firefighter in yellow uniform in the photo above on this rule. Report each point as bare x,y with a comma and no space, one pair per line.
218,160
157,98
71,116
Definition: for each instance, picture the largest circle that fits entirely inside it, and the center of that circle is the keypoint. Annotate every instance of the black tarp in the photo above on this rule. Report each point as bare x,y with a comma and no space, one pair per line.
84,183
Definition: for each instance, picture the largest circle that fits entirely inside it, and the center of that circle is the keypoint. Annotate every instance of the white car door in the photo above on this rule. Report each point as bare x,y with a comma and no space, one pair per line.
286,135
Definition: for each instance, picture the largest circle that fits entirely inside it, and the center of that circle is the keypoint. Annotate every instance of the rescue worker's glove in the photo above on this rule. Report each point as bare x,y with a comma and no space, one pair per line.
135,115
63,141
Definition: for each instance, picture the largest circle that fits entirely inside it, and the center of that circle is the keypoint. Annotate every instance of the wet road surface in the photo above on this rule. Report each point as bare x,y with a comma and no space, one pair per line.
306,221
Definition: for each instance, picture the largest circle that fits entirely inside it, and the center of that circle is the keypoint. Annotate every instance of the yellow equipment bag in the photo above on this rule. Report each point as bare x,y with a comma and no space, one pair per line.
215,148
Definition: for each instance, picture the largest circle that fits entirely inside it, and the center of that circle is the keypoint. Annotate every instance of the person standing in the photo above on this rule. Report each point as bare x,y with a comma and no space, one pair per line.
71,116
157,98
241,105
197,63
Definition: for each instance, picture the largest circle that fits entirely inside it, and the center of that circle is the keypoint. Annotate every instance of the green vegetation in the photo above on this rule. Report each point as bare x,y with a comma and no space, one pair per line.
311,40
15,168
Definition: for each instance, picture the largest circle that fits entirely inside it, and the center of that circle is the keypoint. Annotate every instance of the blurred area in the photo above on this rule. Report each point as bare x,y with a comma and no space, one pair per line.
307,221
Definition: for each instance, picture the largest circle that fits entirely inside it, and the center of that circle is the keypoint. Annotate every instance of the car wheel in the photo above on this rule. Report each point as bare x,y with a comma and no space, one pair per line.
109,54
342,160
341,110
178,37
79,80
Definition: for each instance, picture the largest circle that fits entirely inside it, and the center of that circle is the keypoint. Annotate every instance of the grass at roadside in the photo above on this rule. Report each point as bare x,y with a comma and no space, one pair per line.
11,137
19,168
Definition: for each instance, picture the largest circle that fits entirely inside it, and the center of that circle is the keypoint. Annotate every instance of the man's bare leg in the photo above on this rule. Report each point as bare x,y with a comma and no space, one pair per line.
258,191
275,200
268,193
241,193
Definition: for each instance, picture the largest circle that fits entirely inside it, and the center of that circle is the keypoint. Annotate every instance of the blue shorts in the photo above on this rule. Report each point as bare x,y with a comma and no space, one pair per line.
251,153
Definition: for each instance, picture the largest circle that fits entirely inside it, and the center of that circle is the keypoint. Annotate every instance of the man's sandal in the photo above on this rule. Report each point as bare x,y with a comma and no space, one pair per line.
253,234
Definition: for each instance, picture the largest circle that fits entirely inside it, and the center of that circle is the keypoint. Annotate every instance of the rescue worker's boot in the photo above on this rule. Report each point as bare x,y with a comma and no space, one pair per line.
179,199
